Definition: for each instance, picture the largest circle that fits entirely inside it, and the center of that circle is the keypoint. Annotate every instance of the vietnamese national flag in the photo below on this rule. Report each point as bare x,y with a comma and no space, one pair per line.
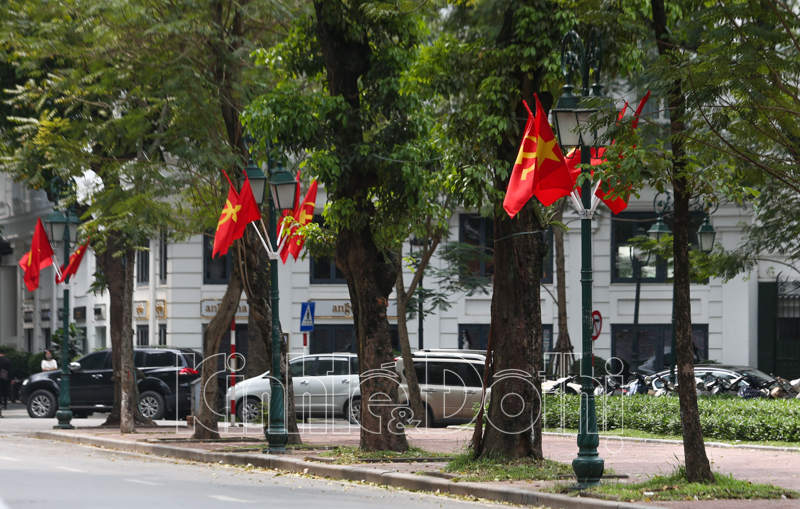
248,210
286,212
39,257
303,215
226,224
74,262
620,202
540,169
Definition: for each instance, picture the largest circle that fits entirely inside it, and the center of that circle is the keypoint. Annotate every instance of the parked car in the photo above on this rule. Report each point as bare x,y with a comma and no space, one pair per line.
164,379
450,383
702,372
325,385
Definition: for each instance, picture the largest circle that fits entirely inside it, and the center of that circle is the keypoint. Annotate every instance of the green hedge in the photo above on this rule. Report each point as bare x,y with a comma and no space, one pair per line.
726,418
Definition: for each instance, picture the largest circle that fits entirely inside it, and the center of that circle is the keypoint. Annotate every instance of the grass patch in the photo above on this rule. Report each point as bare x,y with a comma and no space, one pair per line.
348,455
674,486
635,433
526,469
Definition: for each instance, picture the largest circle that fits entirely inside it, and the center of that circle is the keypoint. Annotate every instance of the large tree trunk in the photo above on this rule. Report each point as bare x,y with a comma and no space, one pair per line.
206,420
563,348
698,468
516,307
513,427
370,278
118,271
414,395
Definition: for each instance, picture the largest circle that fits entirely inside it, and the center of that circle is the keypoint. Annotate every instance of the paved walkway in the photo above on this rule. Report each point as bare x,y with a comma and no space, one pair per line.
637,459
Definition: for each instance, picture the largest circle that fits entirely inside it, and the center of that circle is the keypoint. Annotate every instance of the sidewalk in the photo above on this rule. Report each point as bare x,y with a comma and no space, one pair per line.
635,458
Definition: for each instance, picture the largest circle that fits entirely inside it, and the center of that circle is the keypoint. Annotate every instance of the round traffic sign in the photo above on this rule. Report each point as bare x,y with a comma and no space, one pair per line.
597,324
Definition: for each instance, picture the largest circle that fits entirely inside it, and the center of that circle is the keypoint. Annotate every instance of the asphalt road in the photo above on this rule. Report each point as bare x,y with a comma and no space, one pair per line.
40,473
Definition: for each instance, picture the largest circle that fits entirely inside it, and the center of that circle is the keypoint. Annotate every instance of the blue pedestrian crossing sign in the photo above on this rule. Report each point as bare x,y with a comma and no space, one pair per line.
307,316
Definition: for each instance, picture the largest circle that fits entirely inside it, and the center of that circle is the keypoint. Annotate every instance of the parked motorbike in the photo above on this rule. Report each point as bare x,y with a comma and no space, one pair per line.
564,385
636,385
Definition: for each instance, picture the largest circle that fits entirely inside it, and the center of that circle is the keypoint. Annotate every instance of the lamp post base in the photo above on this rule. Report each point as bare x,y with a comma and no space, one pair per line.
64,416
277,439
588,468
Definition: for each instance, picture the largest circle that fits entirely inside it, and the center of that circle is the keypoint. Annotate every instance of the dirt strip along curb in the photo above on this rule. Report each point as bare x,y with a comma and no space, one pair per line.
372,475
721,445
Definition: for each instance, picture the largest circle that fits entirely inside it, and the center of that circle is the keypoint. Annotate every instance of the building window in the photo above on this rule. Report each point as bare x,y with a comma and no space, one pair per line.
162,258
162,334
655,345
82,341
47,342
100,337
143,264
475,336
628,225
216,271
547,263
478,232
29,339
324,270
342,338
142,335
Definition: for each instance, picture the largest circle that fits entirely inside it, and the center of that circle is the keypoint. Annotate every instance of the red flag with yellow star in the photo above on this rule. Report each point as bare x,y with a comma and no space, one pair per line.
303,216
75,260
540,169
226,224
39,257
248,211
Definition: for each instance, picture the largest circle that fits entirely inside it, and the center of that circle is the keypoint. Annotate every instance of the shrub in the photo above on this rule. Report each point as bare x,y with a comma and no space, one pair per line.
722,417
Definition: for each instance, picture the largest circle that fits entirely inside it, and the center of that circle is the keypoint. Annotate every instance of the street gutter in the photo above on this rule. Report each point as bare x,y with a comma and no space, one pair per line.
371,475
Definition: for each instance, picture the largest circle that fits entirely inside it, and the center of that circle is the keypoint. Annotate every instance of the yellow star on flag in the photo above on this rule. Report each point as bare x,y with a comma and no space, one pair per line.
228,212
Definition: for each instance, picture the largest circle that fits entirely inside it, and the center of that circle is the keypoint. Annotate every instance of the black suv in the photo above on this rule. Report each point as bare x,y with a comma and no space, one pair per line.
163,390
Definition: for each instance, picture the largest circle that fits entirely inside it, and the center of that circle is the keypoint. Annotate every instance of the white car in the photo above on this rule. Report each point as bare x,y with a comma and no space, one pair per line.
325,385
450,383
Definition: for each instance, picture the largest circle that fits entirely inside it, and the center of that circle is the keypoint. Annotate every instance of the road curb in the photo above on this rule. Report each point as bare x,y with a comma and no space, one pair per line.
720,445
345,472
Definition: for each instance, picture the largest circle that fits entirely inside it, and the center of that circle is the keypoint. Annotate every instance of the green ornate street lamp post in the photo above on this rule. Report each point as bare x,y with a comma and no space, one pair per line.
572,116
60,229
282,197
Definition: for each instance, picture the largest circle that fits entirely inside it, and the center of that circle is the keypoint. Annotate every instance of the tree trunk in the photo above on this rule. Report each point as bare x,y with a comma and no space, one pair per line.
563,346
698,468
257,357
513,426
414,396
370,278
346,55
206,420
118,271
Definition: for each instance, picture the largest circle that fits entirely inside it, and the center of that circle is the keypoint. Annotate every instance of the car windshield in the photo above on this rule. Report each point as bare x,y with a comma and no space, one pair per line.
757,374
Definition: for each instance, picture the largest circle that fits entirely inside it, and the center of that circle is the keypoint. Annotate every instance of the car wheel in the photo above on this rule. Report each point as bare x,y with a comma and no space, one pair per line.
250,410
42,404
354,411
152,405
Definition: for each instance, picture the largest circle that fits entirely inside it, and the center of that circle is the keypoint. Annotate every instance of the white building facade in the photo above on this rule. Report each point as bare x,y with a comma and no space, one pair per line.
748,321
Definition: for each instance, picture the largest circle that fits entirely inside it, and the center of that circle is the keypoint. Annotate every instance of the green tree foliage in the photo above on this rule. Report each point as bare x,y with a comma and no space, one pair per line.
339,104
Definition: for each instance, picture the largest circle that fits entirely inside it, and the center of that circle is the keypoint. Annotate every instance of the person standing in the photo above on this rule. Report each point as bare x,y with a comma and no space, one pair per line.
49,363
6,377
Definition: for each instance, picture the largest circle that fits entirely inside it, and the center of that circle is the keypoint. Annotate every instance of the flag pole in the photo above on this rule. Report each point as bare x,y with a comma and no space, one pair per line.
272,255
